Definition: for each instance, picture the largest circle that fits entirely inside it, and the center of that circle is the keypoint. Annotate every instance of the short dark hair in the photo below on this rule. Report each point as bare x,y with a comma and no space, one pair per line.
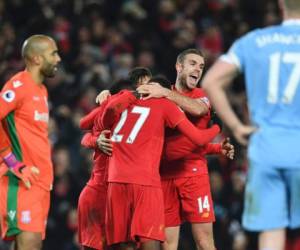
162,80
137,73
182,55
131,81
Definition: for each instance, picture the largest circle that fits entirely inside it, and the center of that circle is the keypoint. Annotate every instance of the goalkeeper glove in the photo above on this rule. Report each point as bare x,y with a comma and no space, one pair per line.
27,174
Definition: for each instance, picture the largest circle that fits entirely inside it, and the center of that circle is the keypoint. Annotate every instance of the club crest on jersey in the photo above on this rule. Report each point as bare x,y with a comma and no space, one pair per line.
205,100
8,95
17,84
26,217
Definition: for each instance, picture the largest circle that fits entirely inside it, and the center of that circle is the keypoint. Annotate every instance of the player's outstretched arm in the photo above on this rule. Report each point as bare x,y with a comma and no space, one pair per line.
87,122
195,107
225,148
89,140
198,136
215,82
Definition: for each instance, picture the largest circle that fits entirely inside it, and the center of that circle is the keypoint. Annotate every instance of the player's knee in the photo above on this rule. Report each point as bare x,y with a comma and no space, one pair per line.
169,245
204,241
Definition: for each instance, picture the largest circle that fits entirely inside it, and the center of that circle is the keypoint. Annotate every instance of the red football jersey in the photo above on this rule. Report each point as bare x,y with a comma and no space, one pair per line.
97,120
138,140
195,162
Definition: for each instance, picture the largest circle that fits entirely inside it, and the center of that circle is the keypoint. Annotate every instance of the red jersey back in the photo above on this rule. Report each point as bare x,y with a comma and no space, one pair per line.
138,140
24,114
195,162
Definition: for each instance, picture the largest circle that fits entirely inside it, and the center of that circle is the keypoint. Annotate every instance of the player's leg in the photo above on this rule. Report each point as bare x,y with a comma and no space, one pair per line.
123,246
203,236
272,240
266,206
150,245
292,177
197,208
172,214
32,211
172,238
29,241
91,217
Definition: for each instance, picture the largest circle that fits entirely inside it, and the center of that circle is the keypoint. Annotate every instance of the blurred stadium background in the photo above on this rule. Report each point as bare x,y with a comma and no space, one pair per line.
99,42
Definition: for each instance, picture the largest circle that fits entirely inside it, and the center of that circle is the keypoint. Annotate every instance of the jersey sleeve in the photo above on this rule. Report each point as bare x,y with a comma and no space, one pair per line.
89,140
198,136
86,122
173,115
11,98
213,148
181,146
115,106
5,147
237,54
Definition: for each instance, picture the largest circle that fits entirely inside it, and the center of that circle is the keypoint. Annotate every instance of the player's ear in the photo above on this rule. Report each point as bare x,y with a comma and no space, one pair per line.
178,67
37,59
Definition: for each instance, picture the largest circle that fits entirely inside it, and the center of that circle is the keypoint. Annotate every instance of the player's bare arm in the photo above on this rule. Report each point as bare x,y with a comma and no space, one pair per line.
195,107
215,82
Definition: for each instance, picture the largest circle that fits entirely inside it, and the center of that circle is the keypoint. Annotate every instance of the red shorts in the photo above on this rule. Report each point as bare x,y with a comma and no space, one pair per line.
188,199
91,217
134,212
22,209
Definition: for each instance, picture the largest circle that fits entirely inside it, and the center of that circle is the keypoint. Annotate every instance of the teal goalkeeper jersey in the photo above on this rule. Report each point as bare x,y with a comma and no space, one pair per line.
270,60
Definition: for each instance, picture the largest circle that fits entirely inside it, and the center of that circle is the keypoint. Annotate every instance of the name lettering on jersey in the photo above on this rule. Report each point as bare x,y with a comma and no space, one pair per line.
277,38
11,214
8,95
43,117
17,84
26,217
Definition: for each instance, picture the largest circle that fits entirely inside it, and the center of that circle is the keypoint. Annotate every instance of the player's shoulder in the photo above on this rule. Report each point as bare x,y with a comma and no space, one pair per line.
251,36
18,81
155,102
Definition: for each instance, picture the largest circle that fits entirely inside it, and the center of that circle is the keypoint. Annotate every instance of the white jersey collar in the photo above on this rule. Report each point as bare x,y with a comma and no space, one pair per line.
291,22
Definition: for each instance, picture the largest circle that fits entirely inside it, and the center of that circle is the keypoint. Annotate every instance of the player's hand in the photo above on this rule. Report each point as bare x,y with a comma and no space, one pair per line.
242,133
3,169
227,148
104,142
27,174
152,90
104,94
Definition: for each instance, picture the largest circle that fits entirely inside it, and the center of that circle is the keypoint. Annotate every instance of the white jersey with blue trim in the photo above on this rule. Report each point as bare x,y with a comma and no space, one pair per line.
270,59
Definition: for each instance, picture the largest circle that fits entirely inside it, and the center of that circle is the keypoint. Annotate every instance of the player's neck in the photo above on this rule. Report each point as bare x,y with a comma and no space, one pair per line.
37,77
289,15
180,87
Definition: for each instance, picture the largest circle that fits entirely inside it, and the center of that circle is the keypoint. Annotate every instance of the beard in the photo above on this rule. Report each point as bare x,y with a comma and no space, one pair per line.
48,70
